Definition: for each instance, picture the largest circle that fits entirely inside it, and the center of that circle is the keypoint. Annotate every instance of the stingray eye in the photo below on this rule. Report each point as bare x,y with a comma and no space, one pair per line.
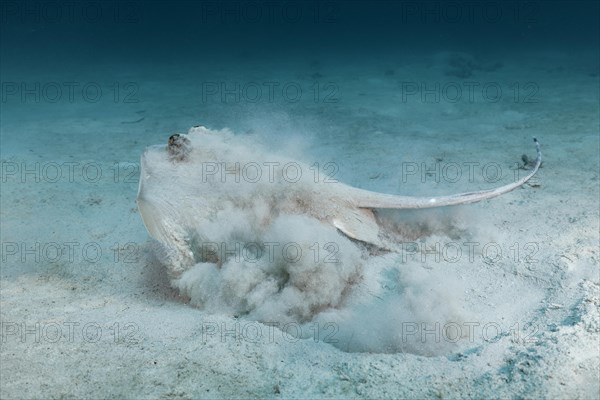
178,147
173,139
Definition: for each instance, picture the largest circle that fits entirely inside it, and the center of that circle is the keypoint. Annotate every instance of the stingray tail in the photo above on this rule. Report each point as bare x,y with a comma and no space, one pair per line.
368,199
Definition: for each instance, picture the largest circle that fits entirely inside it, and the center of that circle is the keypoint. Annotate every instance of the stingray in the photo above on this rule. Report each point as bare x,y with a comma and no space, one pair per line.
196,175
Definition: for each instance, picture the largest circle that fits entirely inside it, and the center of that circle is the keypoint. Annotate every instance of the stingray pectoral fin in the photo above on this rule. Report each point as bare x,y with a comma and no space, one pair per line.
167,231
150,218
359,224
369,200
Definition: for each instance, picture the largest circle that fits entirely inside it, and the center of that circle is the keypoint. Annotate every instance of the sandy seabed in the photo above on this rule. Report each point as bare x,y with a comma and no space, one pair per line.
88,311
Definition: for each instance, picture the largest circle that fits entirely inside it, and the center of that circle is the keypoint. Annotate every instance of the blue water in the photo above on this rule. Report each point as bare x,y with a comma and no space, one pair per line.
197,45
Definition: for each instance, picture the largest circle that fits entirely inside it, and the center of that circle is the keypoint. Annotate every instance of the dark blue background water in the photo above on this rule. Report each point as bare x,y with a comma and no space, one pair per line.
49,33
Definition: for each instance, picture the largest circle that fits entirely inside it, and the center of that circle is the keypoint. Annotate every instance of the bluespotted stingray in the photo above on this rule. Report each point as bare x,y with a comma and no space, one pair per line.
187,183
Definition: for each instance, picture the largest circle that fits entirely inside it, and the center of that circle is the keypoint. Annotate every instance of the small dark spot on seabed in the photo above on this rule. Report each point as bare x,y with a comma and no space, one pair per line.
93,201
134,122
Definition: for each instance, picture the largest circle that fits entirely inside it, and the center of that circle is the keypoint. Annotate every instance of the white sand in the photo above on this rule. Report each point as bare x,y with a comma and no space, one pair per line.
76,325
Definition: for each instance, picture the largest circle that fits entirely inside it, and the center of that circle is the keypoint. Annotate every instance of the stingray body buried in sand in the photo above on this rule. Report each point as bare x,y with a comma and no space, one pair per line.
206,180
